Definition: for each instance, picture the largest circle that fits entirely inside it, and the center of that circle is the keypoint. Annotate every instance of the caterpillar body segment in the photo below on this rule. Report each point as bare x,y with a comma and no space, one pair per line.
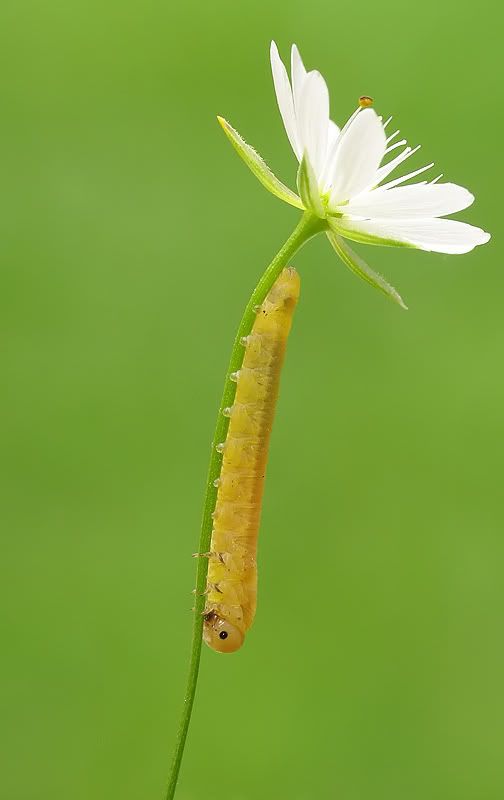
232,570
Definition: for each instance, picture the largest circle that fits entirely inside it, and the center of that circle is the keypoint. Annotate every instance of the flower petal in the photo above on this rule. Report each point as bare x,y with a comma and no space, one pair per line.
313,120
358,156
298,75
333,135
333,146
284,99
357,265
390,166
408,177
259,167
409,202
395,146
438,235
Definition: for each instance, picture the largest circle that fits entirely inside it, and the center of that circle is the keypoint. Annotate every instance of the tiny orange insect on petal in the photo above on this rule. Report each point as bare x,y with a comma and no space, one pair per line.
365,101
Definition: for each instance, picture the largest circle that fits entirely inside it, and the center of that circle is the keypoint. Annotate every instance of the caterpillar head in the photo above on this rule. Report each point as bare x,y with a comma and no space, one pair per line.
221,635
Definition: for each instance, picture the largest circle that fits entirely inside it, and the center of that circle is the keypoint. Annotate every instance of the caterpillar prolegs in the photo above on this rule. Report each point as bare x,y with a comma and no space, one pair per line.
232,570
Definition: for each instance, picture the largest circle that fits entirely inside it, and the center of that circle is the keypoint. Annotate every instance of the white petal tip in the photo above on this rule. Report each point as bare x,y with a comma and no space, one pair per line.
464,194
470,237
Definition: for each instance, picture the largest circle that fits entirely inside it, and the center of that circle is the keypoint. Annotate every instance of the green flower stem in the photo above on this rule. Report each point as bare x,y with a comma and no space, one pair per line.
308,226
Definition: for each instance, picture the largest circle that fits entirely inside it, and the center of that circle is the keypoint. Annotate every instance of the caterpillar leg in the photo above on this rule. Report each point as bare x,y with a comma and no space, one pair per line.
212,554
202,594
211,587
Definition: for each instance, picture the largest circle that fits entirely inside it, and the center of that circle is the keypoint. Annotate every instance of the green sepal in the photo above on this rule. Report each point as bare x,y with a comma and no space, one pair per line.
308,188
259,167
357,265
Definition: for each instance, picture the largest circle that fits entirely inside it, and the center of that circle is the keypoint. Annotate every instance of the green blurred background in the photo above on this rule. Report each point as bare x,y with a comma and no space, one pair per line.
131,236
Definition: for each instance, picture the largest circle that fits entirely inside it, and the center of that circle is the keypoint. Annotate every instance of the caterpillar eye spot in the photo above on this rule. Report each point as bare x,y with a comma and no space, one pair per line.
222,635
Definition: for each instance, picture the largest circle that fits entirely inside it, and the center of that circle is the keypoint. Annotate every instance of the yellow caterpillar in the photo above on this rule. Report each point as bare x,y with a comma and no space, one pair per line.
232,570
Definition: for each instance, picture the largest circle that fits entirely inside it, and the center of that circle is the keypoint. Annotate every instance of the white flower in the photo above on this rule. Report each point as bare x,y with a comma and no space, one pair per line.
341,177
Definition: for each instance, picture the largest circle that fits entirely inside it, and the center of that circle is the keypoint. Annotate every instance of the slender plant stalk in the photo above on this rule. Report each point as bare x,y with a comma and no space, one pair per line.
308,226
